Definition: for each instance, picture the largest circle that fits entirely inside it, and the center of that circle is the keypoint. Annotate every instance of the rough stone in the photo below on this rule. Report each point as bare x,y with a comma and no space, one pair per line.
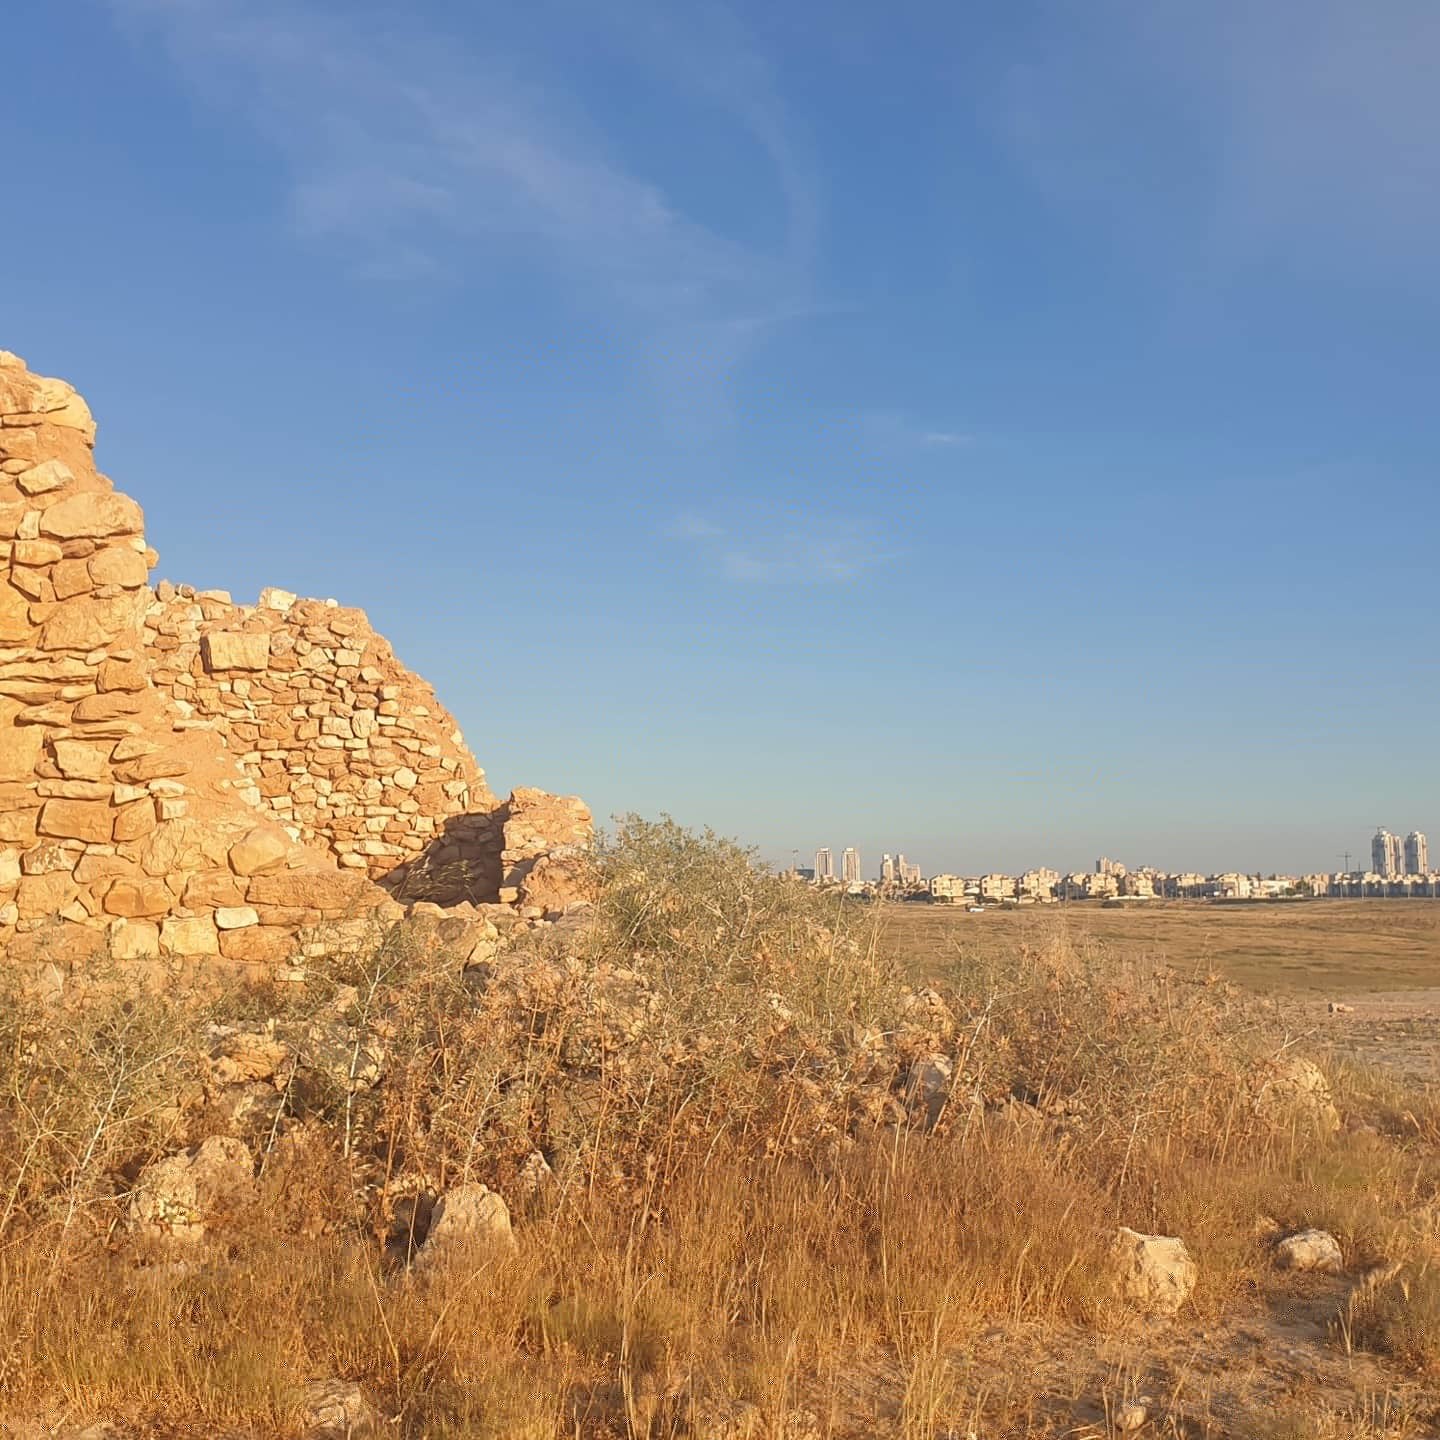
465,1217
93,514
264,848
1310,1250
230,651
1153,1273
176,1197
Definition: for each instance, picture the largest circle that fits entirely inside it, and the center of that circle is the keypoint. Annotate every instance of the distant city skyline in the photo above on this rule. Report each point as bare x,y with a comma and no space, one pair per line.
1386,853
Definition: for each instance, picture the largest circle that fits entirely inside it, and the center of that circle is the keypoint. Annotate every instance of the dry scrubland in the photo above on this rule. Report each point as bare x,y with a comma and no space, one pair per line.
1320,947
758,1185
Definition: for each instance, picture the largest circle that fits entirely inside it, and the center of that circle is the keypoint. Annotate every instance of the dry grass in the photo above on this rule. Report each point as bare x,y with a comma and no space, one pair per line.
1319,947
751,1214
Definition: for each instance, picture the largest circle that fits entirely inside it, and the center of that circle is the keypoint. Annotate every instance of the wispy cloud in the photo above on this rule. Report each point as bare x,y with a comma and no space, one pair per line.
413,156
893,430
1306,129
802,550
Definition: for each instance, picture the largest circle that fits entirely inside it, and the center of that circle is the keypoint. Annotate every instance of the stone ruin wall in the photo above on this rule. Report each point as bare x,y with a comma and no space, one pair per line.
183,777
341,742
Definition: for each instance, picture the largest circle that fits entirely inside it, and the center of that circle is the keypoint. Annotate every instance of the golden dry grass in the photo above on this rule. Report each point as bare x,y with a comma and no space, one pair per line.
750,1228
1320,947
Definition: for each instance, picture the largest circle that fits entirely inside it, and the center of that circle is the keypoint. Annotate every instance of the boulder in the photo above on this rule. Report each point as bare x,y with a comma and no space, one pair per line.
1316,1250
336,1410
174,1197
927,1087
1292,1090
469,1216
1154,1274
93,515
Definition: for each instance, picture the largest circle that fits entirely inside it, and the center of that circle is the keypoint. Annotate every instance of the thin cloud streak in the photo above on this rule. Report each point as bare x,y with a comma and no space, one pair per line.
414,159
805,553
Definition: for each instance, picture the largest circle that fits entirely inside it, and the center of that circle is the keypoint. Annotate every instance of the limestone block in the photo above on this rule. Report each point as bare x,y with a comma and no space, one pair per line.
41,895
94,515
88,621
20,745
36,553
48,475
236,917
89,820
134,821
261,944
119,565
70,578
134,940
232,650
189,936
138,898
79,761
101,709
262,849
125,675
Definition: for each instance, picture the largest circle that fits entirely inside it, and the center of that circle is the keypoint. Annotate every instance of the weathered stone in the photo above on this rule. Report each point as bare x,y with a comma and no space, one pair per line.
88,621
261,944
79,761
119,565
264,848
1153,1273
134,940
78,820
98,709
236,917
331,891
337,1410
188,936
21,746
35,553
70,578
467,1217
224,650
1310,1250
134,821
49,894
1292,1090
93,514
125,675
142,897
48,475
175,1197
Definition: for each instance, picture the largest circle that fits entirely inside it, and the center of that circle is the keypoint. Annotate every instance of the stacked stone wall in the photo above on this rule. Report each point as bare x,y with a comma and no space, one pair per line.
182,777
344,745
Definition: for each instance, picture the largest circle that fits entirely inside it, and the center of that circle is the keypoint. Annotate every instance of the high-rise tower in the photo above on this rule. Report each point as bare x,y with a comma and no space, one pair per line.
1417,853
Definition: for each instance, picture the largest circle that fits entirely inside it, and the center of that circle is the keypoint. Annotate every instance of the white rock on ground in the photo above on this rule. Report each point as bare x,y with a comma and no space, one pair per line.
1292,1088
467,1215
1154,1273
1310,1250
337,1410
173,1196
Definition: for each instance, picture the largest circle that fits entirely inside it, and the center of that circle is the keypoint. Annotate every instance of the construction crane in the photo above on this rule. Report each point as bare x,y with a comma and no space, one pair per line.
1346,858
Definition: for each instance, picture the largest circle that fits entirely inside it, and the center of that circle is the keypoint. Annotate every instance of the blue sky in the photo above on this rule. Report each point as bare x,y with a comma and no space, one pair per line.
1002,433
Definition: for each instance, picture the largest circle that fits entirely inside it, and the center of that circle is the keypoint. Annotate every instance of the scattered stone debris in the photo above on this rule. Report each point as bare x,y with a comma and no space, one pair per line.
1338,1007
